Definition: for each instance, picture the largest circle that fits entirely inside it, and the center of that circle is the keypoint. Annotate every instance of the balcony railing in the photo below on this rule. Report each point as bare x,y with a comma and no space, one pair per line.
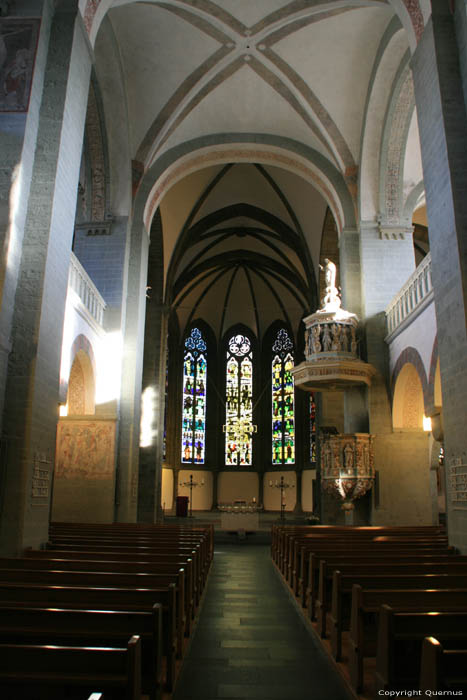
412,295
81,283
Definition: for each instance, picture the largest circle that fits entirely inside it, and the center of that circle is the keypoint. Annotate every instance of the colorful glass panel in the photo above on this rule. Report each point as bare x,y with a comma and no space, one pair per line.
283,401
239,402
194,399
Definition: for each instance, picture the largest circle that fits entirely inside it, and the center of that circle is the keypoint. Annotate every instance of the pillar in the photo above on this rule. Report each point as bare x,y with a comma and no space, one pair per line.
442,120
153,382
32,386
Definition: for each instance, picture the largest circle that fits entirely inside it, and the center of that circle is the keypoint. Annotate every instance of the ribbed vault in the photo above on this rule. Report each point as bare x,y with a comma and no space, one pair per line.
242,254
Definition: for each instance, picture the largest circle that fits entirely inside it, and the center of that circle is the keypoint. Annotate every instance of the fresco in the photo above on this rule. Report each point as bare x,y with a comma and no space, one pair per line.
85,449
18,42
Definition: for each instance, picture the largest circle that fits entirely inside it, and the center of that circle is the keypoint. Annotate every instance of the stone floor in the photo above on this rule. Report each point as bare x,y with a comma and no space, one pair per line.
250,641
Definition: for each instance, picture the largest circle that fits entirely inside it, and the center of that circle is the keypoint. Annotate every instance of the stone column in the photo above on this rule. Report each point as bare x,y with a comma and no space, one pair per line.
350,270
298,493
132,367
153,384
150,455
442,120
32,388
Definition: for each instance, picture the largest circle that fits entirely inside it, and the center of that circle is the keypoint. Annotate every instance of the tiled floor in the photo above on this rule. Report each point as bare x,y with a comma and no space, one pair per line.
250,641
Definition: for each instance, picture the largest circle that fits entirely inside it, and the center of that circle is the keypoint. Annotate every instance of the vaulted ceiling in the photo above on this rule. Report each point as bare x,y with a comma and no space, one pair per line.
324,88
297,69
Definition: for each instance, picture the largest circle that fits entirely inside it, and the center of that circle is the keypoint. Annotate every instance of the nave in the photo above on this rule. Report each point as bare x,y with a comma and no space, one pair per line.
250,641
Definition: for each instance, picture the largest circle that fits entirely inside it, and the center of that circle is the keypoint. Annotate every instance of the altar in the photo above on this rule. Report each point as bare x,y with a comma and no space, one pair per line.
239,516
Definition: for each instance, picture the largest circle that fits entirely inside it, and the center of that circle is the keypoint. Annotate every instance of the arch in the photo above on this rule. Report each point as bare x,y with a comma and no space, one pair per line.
285,153
83,343
81,386
434,395
414,200
403,381
393,146
408,400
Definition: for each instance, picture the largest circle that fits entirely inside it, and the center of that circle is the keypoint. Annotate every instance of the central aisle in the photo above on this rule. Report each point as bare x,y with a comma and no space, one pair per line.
250,641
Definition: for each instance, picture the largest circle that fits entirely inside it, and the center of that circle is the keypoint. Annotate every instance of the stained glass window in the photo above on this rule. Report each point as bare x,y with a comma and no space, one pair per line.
312,428
283,404
239,402
194,399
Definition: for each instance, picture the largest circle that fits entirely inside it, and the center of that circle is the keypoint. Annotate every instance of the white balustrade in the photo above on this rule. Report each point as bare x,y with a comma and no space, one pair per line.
81,283
414,292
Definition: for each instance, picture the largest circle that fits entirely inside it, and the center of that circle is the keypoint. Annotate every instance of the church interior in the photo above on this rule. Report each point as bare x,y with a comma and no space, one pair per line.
233,270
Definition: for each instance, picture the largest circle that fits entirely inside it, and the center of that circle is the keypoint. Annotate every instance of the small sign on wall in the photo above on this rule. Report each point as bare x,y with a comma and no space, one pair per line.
457,479
40,483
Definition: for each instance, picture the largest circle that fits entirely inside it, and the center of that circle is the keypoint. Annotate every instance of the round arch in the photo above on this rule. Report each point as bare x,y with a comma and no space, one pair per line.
81,386
408,402
265,149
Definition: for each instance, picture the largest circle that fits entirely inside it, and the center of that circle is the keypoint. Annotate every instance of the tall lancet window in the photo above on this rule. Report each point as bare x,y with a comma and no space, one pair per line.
283,404
194,399
239,402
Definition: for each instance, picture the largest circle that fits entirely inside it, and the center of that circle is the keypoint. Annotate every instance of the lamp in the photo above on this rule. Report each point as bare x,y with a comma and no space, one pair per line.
427,424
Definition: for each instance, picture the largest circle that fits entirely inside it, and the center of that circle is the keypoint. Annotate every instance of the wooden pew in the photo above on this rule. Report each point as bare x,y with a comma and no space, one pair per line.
342,585
280,533
90,628
53,672
99,598
105,580
136,553
110,567
399,644
137,541
336,559
366,604
294,541
388,568
442,669
303,549
136,558
199,529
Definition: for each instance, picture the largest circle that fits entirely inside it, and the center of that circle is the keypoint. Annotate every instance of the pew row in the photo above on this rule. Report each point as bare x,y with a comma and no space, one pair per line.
29,595
48,672
400,641
442,669
366,604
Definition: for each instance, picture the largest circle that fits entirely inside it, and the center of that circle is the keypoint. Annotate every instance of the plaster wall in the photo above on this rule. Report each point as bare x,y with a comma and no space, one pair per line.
202,494
272,494
167,489
84,480
402,460
232,486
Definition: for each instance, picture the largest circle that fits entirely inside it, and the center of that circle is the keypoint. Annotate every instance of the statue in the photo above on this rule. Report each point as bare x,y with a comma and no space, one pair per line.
326,338
344,338
331,300
336,343
315,342
353,342
348,458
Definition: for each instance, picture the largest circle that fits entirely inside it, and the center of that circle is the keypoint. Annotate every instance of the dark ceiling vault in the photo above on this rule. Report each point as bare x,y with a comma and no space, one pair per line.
241,263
